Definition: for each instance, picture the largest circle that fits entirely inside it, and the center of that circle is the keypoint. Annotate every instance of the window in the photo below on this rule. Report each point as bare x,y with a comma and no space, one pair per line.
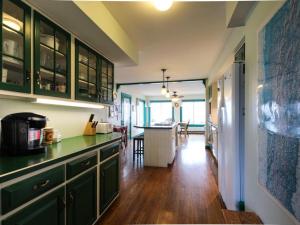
140,112
193,111
161,112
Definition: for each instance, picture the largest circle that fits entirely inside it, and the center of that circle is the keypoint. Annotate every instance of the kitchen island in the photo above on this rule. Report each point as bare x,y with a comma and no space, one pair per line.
160,141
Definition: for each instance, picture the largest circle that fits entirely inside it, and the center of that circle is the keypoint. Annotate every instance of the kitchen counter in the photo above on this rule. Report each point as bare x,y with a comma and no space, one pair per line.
157,126
14,166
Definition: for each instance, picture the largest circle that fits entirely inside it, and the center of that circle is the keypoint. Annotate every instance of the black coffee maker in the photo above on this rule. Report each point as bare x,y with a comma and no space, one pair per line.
22,134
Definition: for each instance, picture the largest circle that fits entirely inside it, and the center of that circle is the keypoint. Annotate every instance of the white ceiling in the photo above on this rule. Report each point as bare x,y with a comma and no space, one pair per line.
182,88
185,39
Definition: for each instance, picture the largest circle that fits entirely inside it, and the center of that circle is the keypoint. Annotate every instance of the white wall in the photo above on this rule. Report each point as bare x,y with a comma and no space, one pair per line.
134,97
256,198
70,121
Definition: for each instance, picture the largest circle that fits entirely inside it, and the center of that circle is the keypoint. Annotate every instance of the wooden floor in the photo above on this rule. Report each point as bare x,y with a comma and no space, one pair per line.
184,193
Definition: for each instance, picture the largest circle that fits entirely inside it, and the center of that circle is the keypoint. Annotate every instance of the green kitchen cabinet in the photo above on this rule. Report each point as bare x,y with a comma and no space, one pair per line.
87,73
107,81
94,75
109,182
15,48
52,56
82,199
49,210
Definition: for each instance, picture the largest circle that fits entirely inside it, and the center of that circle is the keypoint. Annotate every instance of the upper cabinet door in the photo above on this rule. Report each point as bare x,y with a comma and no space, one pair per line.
51,59
15,47
107,81
87,70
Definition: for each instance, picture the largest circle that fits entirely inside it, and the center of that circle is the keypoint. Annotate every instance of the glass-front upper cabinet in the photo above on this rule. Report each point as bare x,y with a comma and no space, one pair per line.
87,71
15,58
52,58
107,81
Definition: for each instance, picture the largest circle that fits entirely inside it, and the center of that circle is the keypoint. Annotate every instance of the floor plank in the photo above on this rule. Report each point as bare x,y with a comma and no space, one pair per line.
186,192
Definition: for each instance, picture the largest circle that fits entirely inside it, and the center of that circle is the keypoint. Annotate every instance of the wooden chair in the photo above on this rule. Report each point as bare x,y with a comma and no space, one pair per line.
184,129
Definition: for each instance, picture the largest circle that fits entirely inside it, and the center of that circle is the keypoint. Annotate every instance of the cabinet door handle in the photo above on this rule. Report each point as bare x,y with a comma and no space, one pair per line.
28,75
38,77
71,197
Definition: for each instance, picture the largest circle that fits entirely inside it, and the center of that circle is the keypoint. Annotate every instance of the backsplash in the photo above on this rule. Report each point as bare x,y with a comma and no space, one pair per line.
70,121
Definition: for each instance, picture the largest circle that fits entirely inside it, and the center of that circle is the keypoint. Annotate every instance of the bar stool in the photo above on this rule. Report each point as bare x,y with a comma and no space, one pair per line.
138,146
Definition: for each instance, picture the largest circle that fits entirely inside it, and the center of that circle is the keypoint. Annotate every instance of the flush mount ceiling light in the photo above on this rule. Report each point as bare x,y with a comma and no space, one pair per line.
162,5
163,88
11,22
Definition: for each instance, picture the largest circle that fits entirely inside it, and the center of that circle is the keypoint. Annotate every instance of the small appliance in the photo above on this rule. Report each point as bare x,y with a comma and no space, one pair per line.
22,134
104,128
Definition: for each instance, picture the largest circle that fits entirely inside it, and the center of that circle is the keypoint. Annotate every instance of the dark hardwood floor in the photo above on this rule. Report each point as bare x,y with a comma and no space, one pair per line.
186,192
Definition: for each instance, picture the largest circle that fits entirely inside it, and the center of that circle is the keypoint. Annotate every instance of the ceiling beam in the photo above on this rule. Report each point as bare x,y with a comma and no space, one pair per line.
160,82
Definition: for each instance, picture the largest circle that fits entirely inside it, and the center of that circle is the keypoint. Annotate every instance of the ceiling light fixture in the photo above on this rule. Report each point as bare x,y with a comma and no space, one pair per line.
162,5
168,91
163,88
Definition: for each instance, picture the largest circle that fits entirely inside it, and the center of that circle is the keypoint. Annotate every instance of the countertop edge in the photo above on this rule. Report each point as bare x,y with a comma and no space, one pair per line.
38,166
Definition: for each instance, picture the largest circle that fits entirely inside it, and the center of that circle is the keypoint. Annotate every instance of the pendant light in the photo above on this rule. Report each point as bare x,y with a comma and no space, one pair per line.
168,91
163,88
175,97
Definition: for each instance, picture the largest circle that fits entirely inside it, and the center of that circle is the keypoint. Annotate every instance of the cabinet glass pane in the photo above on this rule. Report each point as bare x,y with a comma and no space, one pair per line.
46,57
110,83
46,80
92,75
83,75
12,43
92,90
46,34
83,55
104,94
61,63
60,83
12,71
13,16
93,61
110,95
60,42
83,88
104,67
110,70
104,80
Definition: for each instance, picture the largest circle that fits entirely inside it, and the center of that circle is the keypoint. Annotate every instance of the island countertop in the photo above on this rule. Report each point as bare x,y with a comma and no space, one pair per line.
14,166
157,126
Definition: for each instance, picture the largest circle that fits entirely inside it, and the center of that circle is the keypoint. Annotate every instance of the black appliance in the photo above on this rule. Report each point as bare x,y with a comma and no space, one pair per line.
22,134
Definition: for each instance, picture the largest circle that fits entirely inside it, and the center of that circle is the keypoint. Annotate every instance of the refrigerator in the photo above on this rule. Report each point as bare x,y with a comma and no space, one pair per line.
231,138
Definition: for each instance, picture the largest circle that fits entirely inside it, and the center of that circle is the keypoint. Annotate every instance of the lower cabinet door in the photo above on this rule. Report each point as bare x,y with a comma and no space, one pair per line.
49,210
109,182
82,199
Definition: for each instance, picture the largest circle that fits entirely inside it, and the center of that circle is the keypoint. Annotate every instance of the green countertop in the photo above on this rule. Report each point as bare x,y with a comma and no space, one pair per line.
14,166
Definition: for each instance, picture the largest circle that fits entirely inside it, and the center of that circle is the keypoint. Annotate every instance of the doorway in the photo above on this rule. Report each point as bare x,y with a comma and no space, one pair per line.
126,112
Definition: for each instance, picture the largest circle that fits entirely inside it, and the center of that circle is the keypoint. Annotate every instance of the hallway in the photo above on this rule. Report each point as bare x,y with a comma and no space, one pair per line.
186,192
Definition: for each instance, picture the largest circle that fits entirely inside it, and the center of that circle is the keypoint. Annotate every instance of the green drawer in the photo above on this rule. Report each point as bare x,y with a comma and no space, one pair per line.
25,190
109,151
80,165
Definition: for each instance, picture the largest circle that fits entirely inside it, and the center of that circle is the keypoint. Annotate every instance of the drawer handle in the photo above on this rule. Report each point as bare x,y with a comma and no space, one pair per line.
86,163
41,185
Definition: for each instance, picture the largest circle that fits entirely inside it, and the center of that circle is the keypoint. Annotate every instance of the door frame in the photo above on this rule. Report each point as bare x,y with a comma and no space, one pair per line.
126,96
